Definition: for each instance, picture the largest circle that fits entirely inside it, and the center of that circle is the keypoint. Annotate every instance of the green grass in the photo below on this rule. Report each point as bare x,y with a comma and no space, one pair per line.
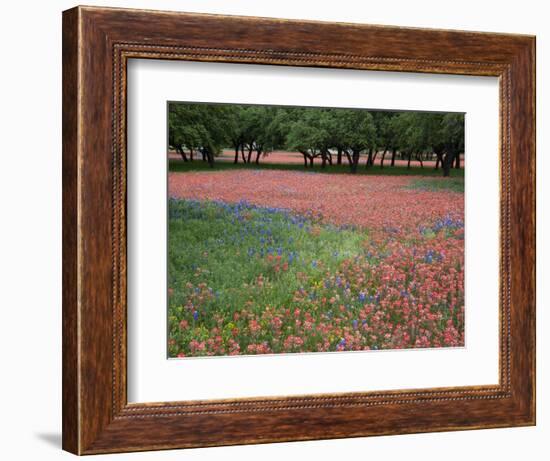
216,252
228,245
198,165
450,184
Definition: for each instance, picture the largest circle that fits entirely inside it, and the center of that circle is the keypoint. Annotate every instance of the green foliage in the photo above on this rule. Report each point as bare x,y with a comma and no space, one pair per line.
199,126
315,132
358,131
259,125
386,133
309,132
452,132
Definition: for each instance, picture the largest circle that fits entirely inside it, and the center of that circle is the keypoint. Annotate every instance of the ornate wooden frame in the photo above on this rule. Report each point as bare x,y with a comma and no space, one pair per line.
97,43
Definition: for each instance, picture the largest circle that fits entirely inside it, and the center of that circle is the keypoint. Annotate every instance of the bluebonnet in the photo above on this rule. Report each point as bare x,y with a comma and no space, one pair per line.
429,256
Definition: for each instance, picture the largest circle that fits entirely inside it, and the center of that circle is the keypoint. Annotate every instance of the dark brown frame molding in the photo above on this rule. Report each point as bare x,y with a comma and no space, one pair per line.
97,43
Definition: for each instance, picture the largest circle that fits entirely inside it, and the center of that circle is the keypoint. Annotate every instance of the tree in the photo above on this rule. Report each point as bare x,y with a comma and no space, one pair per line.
411,139
183,132
198,127
314,133
358,133
259,131
236,133
308,135
421,133
452,134
386,135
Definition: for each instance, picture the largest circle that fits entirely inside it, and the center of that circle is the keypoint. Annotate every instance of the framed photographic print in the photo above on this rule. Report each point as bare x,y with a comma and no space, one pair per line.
286,230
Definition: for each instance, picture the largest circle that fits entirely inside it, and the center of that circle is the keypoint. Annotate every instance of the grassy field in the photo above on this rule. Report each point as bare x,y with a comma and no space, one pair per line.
197,165
227,256
453,184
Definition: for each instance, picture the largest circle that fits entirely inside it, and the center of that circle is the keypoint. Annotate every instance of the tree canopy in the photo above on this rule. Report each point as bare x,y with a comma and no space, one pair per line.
254,131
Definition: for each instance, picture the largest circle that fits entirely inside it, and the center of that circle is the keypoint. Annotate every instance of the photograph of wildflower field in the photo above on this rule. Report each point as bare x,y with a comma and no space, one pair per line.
295,229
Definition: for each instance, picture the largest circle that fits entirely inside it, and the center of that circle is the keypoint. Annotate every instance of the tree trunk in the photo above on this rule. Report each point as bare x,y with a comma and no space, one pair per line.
182,154
393,153
191,154
457,161
258,153
208,157
370,159
447,163
323,159
236,155
350,161
437,160
250,150
242,153
311,161
419,158
355,162
383,157
339,161
409,162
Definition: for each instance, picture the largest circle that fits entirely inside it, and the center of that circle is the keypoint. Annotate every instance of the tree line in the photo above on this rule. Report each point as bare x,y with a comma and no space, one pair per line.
332,135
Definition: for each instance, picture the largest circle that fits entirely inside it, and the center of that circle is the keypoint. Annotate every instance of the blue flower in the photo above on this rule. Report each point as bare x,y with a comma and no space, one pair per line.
354,324
362,297
429,256
195,315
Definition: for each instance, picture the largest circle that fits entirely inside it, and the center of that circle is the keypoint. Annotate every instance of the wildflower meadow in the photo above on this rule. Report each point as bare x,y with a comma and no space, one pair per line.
291,258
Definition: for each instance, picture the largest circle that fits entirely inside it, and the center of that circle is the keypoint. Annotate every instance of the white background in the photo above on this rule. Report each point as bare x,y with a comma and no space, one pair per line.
153,378
30,247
